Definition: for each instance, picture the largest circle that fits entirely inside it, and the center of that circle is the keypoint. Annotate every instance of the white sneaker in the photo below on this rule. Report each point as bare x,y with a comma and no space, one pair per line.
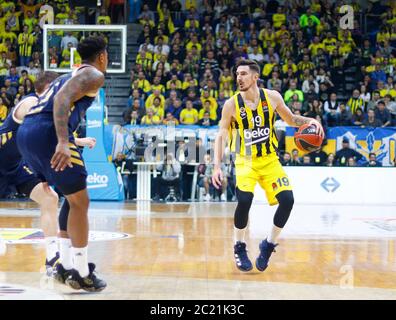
207,197
223,197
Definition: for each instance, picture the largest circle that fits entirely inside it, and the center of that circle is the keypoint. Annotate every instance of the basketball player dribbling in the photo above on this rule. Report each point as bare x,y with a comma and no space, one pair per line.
47,143
249,117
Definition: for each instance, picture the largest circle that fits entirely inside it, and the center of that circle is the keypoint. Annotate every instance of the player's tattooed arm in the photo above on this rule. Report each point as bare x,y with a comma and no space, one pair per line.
285,113
87,81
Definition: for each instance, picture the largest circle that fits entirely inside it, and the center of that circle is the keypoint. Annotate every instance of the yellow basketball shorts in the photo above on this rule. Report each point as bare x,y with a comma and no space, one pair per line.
267,171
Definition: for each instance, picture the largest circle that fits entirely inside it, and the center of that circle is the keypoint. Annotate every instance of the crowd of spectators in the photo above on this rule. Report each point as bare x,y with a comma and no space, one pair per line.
183,70
21,43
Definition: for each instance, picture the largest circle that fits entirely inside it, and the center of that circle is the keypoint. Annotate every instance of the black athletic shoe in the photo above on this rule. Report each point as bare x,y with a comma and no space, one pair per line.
50,266
60,273
89,283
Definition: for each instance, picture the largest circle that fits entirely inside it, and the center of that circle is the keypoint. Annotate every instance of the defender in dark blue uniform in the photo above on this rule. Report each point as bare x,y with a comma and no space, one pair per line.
46,142
18,173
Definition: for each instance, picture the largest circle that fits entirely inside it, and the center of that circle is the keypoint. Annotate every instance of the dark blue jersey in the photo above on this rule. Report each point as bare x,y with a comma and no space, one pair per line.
9,153
45,106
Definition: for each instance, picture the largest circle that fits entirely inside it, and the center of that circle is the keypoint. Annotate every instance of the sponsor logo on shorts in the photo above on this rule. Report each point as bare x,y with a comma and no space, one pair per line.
96,181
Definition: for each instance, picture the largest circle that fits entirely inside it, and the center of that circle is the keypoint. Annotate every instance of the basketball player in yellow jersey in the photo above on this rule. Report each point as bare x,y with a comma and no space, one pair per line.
250,115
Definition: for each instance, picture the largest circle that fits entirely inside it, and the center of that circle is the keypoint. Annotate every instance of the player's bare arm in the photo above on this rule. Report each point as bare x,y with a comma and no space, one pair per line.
291,119
222,140
24,107
87,81
89,142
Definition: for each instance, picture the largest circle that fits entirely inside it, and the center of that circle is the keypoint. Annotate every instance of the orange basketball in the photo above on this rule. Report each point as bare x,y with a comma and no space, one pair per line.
307,139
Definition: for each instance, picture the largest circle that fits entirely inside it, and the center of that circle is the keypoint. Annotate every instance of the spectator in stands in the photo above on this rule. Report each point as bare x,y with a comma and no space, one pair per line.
207,108
293,90
25,43
139,108
352,162
150,118
295,161
372,104
332,104
175,108
103,17
119,162
306,160
135,119
346,153
3,111
170,172
286,159
189,115
373,161
355,102
126,116
371,120
383,114
206,121
318,157
330,162
366,96
358,118
377,75
170,120
69,37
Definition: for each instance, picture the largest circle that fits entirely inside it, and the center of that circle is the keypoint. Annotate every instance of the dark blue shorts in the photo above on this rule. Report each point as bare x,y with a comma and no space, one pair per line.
22,177
37,141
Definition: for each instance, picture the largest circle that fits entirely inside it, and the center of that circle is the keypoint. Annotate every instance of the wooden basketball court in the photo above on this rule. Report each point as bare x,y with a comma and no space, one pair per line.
185,251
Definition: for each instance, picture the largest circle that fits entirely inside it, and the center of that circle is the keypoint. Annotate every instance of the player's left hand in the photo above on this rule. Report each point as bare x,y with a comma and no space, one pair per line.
319,128
62,157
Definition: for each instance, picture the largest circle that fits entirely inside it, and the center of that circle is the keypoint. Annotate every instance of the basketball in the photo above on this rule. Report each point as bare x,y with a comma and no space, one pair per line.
307,139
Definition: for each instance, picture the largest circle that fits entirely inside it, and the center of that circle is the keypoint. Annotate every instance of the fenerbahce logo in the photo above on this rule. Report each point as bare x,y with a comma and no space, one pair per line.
253,136
243,112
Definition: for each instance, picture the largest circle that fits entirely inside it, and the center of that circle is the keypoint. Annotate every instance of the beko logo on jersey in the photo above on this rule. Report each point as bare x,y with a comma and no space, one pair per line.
97,181
253,136
94,124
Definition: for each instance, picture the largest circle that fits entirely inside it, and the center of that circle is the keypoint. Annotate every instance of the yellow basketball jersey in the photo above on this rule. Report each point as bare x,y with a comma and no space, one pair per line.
252,132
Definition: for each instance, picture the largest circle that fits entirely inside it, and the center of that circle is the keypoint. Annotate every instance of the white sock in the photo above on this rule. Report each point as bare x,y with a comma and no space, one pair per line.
239,235
80,261
65,252
51,246
275,232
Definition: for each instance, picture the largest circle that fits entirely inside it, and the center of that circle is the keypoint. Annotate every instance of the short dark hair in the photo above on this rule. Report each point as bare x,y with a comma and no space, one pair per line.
90,47
253,65
44,78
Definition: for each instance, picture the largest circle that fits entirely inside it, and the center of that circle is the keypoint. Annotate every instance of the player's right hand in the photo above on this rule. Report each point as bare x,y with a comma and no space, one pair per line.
217,178
61,158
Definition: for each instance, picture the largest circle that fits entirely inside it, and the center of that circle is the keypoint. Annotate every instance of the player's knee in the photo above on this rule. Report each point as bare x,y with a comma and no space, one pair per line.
79,201
245,198
286,200
49,199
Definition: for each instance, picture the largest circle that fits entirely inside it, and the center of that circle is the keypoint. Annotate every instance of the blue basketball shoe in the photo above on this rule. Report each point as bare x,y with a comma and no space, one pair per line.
266,249
242,260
